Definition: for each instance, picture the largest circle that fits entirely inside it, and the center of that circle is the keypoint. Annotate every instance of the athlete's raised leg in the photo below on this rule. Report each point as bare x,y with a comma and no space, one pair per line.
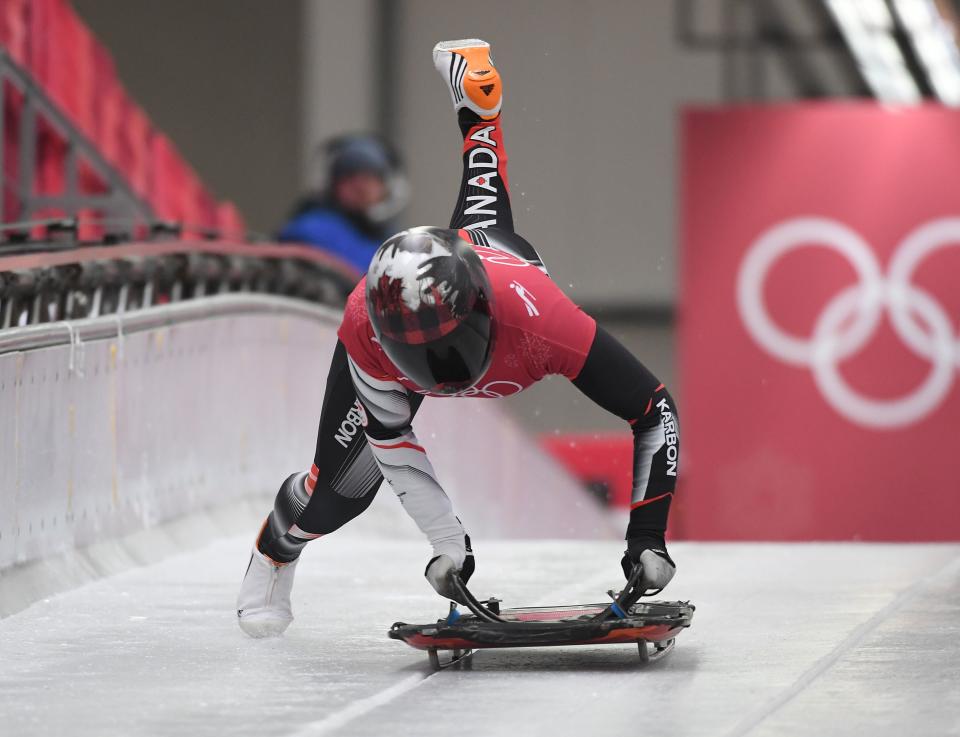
477,92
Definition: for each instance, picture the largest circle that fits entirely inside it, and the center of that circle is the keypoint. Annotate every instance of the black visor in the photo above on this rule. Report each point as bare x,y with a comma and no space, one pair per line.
449,364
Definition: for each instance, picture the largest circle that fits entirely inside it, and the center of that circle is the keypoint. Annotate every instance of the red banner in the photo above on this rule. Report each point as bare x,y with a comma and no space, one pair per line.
819,348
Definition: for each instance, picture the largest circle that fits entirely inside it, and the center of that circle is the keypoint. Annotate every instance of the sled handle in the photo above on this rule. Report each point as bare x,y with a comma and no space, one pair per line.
620,606
470,601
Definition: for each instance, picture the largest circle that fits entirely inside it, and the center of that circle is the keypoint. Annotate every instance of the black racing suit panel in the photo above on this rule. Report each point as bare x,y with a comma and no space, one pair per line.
484,197
345,476
613,378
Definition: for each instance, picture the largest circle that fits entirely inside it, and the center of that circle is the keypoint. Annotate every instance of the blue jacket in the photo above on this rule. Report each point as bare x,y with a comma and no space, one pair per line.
331,230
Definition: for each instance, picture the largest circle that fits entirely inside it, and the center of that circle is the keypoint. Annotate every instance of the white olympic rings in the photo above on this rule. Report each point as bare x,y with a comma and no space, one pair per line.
503,389
849,320
492,390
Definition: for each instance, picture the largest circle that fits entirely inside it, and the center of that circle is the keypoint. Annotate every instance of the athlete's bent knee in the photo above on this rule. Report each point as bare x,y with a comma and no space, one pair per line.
282,539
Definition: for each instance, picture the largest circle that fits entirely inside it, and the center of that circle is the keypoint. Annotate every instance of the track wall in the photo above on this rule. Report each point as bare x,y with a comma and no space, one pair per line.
120,423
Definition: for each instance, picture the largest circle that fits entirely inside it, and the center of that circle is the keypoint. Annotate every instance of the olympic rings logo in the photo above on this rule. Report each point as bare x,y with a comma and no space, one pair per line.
503,389
848,321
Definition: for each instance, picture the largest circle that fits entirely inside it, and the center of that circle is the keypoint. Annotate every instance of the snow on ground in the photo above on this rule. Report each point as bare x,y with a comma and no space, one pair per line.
787,640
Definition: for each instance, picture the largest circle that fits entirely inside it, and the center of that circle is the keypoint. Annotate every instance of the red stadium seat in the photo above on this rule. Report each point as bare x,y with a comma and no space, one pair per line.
49,40
104,103
136,133
51,161
109,140
230,221
12,106
40,30
188,193
166,175
206,209
80,94
91,227
14,29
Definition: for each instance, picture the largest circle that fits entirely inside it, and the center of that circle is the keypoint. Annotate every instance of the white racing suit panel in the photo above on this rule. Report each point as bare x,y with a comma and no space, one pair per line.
404,463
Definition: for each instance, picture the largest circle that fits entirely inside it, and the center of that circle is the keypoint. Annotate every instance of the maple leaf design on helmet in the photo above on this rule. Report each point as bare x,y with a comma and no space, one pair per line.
414,291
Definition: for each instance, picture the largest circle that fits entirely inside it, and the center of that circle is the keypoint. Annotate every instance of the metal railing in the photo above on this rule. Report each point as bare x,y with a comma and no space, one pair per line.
119,199
89,282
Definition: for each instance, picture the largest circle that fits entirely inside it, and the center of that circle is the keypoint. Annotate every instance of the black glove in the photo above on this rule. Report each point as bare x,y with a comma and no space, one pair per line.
442,567
649,549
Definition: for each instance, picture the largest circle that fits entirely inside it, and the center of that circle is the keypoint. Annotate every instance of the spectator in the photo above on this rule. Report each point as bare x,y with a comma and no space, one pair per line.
352,212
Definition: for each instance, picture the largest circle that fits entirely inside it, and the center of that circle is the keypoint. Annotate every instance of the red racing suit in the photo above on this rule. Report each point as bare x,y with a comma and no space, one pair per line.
539,331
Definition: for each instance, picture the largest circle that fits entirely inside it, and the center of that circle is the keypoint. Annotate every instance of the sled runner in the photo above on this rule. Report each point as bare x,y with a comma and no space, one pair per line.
653,625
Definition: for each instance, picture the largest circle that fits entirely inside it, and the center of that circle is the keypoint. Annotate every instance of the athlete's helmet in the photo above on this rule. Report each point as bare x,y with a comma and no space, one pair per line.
431,307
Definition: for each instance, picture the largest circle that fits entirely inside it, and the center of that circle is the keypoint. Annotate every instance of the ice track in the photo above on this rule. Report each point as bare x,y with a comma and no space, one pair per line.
787,640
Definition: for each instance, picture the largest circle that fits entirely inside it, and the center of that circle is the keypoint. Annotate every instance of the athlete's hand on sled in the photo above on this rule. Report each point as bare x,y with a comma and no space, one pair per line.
442,569
650,551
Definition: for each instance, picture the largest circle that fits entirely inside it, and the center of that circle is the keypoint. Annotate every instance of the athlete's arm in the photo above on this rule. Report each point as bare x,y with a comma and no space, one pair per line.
562,339
619,383
404,463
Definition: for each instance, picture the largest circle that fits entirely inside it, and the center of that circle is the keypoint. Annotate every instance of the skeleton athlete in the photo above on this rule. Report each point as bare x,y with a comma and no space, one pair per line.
450,312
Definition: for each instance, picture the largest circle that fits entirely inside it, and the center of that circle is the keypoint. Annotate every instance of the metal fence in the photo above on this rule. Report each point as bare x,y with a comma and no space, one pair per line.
78,283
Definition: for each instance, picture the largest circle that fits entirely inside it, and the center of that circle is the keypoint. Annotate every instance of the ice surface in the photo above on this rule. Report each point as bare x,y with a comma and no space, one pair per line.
787,639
